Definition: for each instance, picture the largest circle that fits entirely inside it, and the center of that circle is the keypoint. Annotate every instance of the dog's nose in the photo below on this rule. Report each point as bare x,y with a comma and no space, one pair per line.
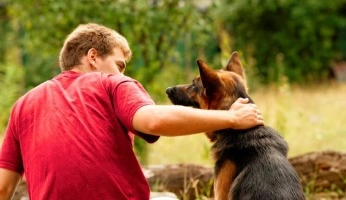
170,90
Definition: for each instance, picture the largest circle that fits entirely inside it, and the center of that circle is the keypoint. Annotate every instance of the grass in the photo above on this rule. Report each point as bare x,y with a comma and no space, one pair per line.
310,118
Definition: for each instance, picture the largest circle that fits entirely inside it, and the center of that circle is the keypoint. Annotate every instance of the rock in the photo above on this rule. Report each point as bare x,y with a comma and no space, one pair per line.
163,196
322,172
188,181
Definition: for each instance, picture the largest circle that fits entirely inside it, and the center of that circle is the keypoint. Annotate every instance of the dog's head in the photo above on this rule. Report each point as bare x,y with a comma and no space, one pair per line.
213,89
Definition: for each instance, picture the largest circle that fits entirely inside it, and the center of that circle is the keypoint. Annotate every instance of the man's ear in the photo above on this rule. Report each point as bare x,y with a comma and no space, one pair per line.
235,65
210,79
92,55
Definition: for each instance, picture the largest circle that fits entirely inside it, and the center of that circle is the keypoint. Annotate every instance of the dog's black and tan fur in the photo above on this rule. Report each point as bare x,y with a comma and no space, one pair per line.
249,164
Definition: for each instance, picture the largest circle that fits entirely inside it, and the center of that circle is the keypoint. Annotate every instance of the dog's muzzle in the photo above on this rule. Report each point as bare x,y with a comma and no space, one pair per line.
178,96
170,91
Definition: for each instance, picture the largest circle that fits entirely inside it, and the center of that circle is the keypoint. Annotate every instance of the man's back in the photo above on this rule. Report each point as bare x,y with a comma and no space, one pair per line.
72,142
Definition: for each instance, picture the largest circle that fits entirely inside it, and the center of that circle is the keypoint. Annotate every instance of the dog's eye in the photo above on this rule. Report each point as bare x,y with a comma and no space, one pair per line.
192,87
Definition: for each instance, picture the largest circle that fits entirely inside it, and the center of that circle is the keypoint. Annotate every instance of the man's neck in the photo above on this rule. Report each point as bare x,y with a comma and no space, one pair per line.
81,69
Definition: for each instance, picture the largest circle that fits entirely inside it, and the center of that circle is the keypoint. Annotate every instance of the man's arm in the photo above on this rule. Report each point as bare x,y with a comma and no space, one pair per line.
8,183
171,120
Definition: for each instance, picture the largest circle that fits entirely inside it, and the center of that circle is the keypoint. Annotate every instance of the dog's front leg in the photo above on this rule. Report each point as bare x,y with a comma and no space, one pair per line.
223,180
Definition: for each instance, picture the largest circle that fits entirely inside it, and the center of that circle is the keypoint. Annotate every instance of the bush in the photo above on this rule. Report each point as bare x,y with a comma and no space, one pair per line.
11,81
302,36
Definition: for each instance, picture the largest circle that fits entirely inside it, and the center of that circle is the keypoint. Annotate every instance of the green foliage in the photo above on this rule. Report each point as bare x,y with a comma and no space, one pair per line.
307,34
4,29
160,34
156,30
279,39
11,77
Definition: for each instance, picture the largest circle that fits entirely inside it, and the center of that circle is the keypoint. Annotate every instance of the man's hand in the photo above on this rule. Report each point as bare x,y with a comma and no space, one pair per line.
246,115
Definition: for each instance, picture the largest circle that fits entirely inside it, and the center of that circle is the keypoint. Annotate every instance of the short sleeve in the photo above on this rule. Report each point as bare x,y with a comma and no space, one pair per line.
128,97
10,154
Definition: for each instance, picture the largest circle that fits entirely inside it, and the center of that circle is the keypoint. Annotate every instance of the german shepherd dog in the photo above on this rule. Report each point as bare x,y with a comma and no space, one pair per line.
249,164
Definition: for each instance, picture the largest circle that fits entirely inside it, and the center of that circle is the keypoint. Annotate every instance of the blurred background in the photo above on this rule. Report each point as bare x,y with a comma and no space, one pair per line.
293,52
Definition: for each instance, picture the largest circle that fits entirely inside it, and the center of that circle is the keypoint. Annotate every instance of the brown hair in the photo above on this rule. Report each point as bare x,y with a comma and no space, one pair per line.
87,36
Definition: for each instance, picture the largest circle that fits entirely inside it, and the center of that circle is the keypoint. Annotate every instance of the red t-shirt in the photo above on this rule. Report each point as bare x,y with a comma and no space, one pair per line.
71,136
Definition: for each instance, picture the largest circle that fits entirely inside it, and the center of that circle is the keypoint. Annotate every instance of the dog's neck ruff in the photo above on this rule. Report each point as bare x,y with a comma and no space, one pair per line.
208,103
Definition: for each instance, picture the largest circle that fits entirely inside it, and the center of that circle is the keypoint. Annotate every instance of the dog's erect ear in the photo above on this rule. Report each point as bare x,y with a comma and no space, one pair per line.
210,79
235,65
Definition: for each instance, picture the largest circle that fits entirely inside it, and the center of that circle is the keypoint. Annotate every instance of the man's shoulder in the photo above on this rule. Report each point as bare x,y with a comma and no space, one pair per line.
115,79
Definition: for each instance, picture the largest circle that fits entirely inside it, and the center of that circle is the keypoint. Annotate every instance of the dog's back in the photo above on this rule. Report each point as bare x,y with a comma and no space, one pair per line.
263,171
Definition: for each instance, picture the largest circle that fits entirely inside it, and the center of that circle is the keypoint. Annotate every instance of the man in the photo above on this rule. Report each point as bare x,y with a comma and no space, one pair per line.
72,135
